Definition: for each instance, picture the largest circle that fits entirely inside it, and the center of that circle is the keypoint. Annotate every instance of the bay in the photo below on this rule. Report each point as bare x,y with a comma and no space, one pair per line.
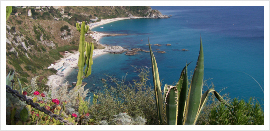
233,42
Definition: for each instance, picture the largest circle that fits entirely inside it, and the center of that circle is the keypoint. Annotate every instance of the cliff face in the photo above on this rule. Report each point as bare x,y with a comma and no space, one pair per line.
34,42
156,14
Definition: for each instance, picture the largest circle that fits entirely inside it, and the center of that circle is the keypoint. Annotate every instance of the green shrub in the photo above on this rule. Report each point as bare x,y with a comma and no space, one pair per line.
66,48
65,27
30,41
136,99
43,48
242,113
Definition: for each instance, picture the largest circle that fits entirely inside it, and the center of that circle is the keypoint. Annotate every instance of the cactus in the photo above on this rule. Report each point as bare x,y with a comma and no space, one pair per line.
180,108
8,11
86,54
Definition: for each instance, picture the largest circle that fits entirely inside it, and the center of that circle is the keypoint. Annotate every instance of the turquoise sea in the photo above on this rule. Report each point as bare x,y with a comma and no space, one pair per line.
233,43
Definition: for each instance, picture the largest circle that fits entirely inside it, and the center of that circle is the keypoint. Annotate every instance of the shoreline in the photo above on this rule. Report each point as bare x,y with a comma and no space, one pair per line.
106,21
70,61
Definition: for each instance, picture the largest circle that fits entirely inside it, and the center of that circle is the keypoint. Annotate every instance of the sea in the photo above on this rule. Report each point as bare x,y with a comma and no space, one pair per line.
233,44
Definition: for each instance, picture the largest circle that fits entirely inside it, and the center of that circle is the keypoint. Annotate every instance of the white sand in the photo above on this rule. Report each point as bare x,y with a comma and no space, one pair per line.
65,65
106,21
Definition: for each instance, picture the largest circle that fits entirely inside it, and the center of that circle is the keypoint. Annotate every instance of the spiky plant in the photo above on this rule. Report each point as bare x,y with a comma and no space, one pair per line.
182,109
8,11
86,54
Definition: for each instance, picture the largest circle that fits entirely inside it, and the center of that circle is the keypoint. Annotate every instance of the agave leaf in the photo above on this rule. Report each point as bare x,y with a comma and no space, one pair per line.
171,105
195,91
10,77
182,87
158,93
8,81
204,99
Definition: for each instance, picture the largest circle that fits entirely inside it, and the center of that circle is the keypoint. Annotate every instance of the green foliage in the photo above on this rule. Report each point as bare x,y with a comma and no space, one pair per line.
83,106
136,99
30,41
65,27
9,78
55,54
241,113
46,16
24,114
37,32
19,21
67,48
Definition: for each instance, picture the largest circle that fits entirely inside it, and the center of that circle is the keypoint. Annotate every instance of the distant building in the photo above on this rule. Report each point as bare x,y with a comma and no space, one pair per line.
29,13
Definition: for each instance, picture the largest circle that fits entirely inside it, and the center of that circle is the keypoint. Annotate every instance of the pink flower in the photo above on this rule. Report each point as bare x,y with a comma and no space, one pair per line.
37,115
87,114
56,101
24,93
36,93
74,115
42,94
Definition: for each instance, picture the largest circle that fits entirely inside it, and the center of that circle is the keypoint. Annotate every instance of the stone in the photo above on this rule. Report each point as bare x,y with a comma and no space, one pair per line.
184,50
161,52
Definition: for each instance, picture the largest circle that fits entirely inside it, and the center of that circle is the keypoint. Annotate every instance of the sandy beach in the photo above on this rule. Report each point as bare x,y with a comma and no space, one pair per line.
65,65
70,61
106,21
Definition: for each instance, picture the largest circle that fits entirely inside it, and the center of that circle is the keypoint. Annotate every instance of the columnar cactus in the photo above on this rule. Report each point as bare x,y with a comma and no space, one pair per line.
8,11
86,54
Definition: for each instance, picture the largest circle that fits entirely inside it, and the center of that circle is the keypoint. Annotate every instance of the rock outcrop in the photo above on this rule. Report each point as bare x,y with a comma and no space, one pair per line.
156,14
115,49
161,52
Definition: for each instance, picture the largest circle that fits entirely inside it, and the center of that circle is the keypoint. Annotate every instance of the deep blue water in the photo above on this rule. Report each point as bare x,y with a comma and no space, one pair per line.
233,43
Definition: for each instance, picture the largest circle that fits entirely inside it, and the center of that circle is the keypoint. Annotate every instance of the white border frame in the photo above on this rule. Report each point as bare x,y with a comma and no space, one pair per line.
136,3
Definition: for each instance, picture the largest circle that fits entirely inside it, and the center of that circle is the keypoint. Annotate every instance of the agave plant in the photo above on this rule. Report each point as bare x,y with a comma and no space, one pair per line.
182,109
86,54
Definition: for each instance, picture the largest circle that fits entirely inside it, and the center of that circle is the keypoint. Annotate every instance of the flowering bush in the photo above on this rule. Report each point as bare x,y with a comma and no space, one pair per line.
42,94
36,93
56,101
74,115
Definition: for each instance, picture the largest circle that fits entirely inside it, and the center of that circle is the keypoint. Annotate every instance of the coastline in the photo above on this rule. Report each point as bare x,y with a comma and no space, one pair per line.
70,61
106,21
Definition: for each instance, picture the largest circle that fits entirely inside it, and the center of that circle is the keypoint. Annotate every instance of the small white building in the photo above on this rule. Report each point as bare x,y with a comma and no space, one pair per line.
29,13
